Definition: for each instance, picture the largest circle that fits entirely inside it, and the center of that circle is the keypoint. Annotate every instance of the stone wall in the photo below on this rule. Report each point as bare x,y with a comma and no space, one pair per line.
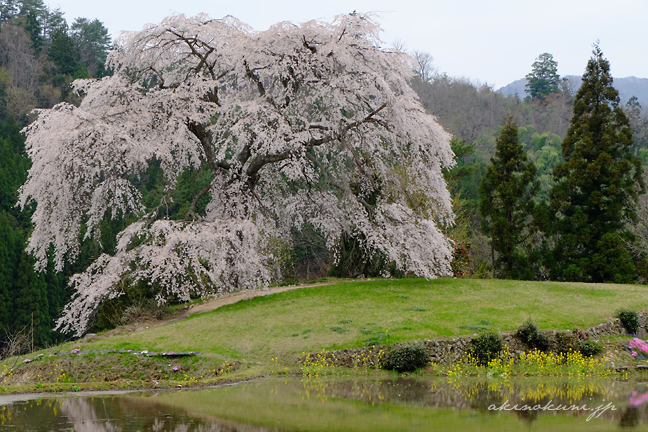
450,351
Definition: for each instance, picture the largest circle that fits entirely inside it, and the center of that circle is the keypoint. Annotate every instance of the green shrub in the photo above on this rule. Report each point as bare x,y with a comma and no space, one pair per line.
590,348
567,341
483,271
406,359
486,347
542,342
529,334
137,303
571,341
630,320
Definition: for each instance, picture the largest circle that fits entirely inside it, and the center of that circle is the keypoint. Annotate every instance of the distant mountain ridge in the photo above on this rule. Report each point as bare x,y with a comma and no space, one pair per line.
627,87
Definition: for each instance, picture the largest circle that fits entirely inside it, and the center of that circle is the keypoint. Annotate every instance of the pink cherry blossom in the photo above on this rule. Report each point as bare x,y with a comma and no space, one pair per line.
299,123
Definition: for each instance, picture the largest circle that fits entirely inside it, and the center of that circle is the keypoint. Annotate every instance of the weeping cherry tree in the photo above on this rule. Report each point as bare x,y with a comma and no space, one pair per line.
300,123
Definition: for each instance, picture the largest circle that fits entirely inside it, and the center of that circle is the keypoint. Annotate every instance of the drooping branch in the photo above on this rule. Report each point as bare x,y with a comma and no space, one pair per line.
327,113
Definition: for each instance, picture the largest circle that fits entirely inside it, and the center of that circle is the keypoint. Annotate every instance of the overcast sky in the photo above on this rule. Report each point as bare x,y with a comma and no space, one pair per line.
490,41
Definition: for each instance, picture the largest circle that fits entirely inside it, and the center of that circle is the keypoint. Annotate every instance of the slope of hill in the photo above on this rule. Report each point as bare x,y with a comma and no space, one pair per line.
364,313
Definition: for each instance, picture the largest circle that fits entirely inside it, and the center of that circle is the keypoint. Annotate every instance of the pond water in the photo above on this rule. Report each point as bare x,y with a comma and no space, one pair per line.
399,404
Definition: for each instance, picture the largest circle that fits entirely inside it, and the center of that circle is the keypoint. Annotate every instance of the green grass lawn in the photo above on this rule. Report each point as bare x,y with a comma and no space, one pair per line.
359,313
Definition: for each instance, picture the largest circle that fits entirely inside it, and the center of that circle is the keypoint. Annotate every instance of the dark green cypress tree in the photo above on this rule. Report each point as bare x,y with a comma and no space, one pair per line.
596,186
34,30
506,205
11,243
65,56
23,292
31,308
62,53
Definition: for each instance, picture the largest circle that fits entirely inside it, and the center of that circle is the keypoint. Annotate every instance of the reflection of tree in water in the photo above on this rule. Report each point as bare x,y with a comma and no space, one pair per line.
480,395
409,391
83,414
142,413
112,414
527,416
127,413
629,418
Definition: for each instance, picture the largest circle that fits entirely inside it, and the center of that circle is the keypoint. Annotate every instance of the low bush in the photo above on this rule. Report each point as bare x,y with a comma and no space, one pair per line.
590,348
576,341
406,358
630,320
543,342
136,304
531,336
567,341
527,333
486,347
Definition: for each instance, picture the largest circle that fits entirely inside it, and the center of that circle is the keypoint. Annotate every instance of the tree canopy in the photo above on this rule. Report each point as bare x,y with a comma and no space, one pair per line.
507,192
596,186
300,123
543,79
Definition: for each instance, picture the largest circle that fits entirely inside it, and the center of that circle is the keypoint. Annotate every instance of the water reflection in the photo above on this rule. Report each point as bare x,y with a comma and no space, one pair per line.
345,405
638,399
108,414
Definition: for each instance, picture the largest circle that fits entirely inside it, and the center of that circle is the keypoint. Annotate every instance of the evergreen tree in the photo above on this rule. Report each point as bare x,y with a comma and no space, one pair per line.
23,292
54,20
92,41
11,245
507,192
67,66
31,308
596,186
543,79
34,30
62,53
638,125
8,10
5,80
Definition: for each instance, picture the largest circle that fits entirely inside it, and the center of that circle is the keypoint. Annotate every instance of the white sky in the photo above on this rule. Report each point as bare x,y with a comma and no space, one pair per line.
492,41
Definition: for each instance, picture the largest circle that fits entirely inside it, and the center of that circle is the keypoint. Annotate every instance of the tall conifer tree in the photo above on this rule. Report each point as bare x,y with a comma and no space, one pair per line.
543,79
596,185
507,191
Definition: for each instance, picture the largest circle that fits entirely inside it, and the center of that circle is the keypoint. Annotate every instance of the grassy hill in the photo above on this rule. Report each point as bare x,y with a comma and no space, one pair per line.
266,335
363,313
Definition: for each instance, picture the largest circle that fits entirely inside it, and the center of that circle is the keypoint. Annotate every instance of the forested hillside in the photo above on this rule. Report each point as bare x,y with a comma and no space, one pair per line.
40,55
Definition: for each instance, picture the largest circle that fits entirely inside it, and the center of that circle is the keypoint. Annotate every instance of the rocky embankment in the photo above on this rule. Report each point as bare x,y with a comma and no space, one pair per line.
449,351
